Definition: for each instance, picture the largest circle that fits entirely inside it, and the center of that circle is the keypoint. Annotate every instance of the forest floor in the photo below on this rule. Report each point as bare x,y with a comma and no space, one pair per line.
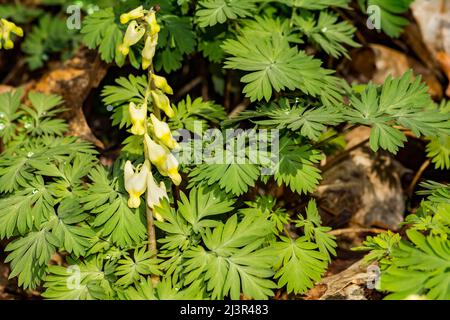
362,193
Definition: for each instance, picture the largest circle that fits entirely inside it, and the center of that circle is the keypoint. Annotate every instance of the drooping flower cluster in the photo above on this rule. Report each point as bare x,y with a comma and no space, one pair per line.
143,24
158,139
6,28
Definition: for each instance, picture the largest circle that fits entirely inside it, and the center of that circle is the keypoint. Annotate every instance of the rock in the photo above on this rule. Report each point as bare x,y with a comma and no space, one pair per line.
350,284
364,189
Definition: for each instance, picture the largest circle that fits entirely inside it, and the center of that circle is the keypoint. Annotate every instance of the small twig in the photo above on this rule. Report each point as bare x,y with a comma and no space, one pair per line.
339,232
188,87
239,108
344,154
12,74
416,179
227,91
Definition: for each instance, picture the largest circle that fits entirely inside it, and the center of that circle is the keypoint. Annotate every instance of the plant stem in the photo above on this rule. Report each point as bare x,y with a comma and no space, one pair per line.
344,154
151,231
416,179
339,232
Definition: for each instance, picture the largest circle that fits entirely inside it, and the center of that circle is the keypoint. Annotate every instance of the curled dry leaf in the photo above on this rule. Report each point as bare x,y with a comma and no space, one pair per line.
73,80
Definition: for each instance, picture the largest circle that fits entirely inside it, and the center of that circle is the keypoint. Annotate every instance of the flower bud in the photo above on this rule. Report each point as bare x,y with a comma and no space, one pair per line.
171,169
133,14
155,193
8,44
9,26
153,24
156,153
163,133
133,34
162,102
136,182
161,83
138,118
149,51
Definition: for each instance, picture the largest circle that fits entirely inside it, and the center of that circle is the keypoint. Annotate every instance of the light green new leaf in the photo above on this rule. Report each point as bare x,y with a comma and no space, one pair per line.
101,30
298,264
296,166
274,65
327,32
233,177
201,204
29,257
9,112
130,269
212,12
316,4
108,202
422,268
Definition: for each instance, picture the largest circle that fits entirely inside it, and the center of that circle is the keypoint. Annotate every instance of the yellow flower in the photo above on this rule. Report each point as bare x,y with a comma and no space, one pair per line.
136,182
161,83
133,34
9,26
162,102
6,28
156,153
153,24
163,133
8,44
155,193
149,50
133,14
171,169
138,118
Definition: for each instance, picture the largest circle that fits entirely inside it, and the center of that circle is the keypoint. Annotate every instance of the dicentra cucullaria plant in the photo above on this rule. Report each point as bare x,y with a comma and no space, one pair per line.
417,267
155,227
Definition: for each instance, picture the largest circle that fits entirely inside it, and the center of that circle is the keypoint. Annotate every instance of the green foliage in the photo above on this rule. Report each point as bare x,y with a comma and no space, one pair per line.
177,38
418,265
101,30
232,177
107,200
212,12
380,246
327,33
316,4
299,264
48,37
119,96
274,65
296,166
402,102
10,106
220,234
313,229
231,262
438,149
19,13
188,112
391,19
131,269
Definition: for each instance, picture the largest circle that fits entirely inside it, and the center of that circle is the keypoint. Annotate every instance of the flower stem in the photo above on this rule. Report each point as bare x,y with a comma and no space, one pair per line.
151,230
